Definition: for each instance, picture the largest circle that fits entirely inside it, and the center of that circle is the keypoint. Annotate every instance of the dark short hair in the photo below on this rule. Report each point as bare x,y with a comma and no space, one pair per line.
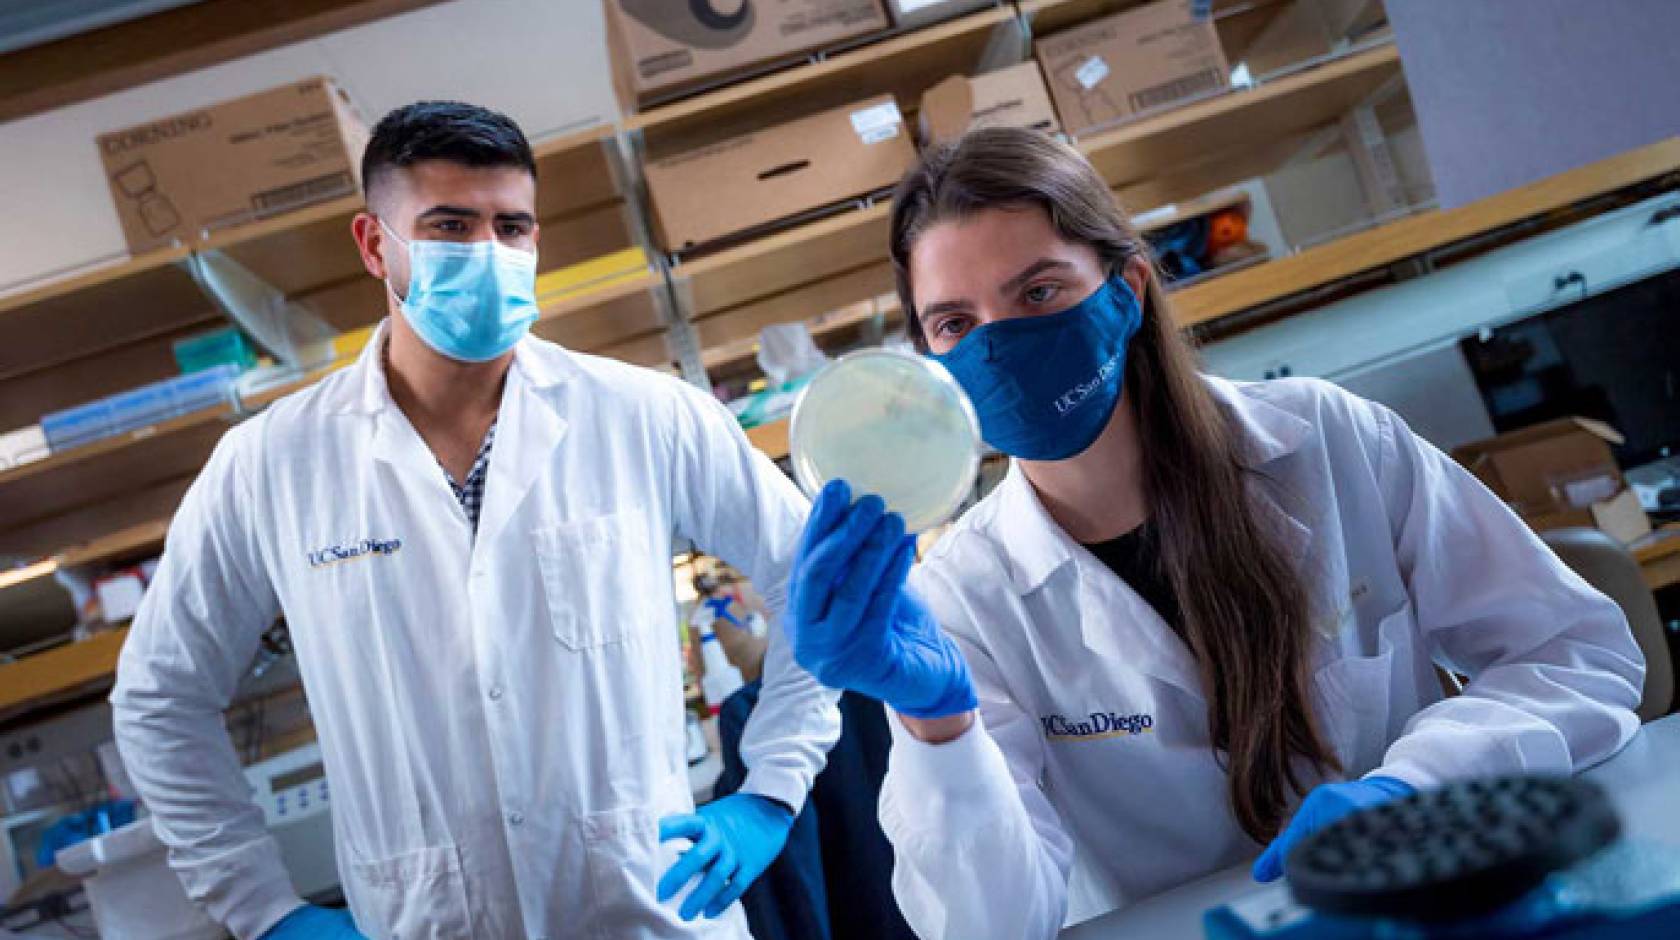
443,130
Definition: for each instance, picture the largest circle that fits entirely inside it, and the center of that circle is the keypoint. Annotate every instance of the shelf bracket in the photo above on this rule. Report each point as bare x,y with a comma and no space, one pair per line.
681,338
287,331
1373,161
682,341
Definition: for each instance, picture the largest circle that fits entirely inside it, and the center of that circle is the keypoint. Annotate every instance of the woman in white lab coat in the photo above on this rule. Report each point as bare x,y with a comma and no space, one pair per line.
1198,619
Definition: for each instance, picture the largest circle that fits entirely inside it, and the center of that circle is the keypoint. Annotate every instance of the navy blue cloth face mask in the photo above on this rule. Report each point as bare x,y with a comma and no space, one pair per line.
1044,387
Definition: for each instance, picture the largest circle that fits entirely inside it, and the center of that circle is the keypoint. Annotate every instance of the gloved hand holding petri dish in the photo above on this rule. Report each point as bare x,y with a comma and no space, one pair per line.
889,423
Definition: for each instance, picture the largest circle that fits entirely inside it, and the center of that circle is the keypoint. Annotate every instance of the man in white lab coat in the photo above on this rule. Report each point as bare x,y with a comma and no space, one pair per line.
469,533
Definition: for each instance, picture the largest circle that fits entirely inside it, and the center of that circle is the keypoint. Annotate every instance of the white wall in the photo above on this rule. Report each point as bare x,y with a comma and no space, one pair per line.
1508,93
543,62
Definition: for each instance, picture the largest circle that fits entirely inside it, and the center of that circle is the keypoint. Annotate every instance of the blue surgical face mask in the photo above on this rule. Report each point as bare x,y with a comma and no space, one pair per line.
470,301
1044,387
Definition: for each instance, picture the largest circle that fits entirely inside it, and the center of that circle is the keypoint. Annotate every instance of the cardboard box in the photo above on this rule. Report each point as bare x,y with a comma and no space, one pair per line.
914,14
233,163
739,184
660,47
1011,97
1559,474
1131,62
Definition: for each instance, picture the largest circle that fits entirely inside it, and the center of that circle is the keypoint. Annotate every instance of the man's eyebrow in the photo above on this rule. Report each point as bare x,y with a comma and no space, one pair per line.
459,212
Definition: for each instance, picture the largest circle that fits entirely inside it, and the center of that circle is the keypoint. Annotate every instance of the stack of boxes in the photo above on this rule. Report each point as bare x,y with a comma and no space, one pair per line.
706,196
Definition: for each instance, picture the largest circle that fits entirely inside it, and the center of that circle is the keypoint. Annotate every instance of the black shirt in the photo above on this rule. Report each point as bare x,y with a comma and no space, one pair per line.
1132,558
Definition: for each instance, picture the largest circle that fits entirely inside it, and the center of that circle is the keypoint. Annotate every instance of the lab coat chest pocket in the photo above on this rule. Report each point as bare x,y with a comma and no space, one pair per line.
1356,690
595,578
418,895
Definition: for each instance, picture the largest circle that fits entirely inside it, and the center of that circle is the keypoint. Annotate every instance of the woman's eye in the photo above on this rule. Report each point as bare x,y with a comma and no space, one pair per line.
1041,293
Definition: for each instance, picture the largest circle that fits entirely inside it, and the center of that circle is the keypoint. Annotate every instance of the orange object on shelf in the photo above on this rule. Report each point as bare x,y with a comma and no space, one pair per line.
1226,227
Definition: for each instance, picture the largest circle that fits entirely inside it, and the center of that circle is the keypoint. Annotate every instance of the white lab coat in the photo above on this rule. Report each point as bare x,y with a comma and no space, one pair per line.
500,717
1043,815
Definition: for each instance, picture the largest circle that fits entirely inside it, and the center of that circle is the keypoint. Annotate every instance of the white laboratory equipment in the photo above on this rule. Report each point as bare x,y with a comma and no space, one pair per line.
134,895
131,890
291,789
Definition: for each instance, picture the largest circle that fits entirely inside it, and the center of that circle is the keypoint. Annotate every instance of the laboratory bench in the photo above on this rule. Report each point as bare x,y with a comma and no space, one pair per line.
1658,555
1641,782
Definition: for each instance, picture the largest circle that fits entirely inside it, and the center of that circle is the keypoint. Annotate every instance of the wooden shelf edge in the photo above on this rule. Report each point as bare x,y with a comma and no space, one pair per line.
1661,543
780,241
122,542
239,235
1382,55
615,289
257,401
905,43
57,672
162,257
191,419
139,536
744,347
1415,234
572,140
771,438
279,224
103,273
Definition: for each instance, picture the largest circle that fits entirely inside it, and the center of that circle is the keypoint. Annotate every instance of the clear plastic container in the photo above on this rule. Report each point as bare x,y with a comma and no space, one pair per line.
137,408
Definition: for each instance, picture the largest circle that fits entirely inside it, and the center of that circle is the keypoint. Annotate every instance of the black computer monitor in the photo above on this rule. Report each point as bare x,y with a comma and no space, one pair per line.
1614,356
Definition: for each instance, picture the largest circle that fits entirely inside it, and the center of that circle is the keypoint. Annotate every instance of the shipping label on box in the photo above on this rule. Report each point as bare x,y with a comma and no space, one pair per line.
180,177
738,184
663,46
1132,62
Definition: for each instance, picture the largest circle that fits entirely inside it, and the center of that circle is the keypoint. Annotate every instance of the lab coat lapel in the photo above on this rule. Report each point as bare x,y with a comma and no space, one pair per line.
1269,434
1114,621
1294,537
527,431
1272,435
395,442
1119,625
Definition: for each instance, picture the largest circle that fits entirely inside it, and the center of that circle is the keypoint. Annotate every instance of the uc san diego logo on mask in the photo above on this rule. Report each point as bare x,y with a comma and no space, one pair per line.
1076,396
1096,726
334,554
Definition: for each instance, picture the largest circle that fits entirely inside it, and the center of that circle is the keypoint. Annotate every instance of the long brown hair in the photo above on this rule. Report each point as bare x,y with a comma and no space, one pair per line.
1246,611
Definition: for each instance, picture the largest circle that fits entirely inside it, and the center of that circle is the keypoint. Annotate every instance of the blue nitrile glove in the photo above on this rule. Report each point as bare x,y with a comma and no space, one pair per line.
314,923
1327,803
853,623
735,840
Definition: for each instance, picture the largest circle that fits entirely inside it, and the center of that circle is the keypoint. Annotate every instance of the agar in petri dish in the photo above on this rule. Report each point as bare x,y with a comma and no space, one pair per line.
889,423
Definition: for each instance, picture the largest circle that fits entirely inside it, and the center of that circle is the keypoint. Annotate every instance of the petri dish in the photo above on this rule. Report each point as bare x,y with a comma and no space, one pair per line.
889,423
